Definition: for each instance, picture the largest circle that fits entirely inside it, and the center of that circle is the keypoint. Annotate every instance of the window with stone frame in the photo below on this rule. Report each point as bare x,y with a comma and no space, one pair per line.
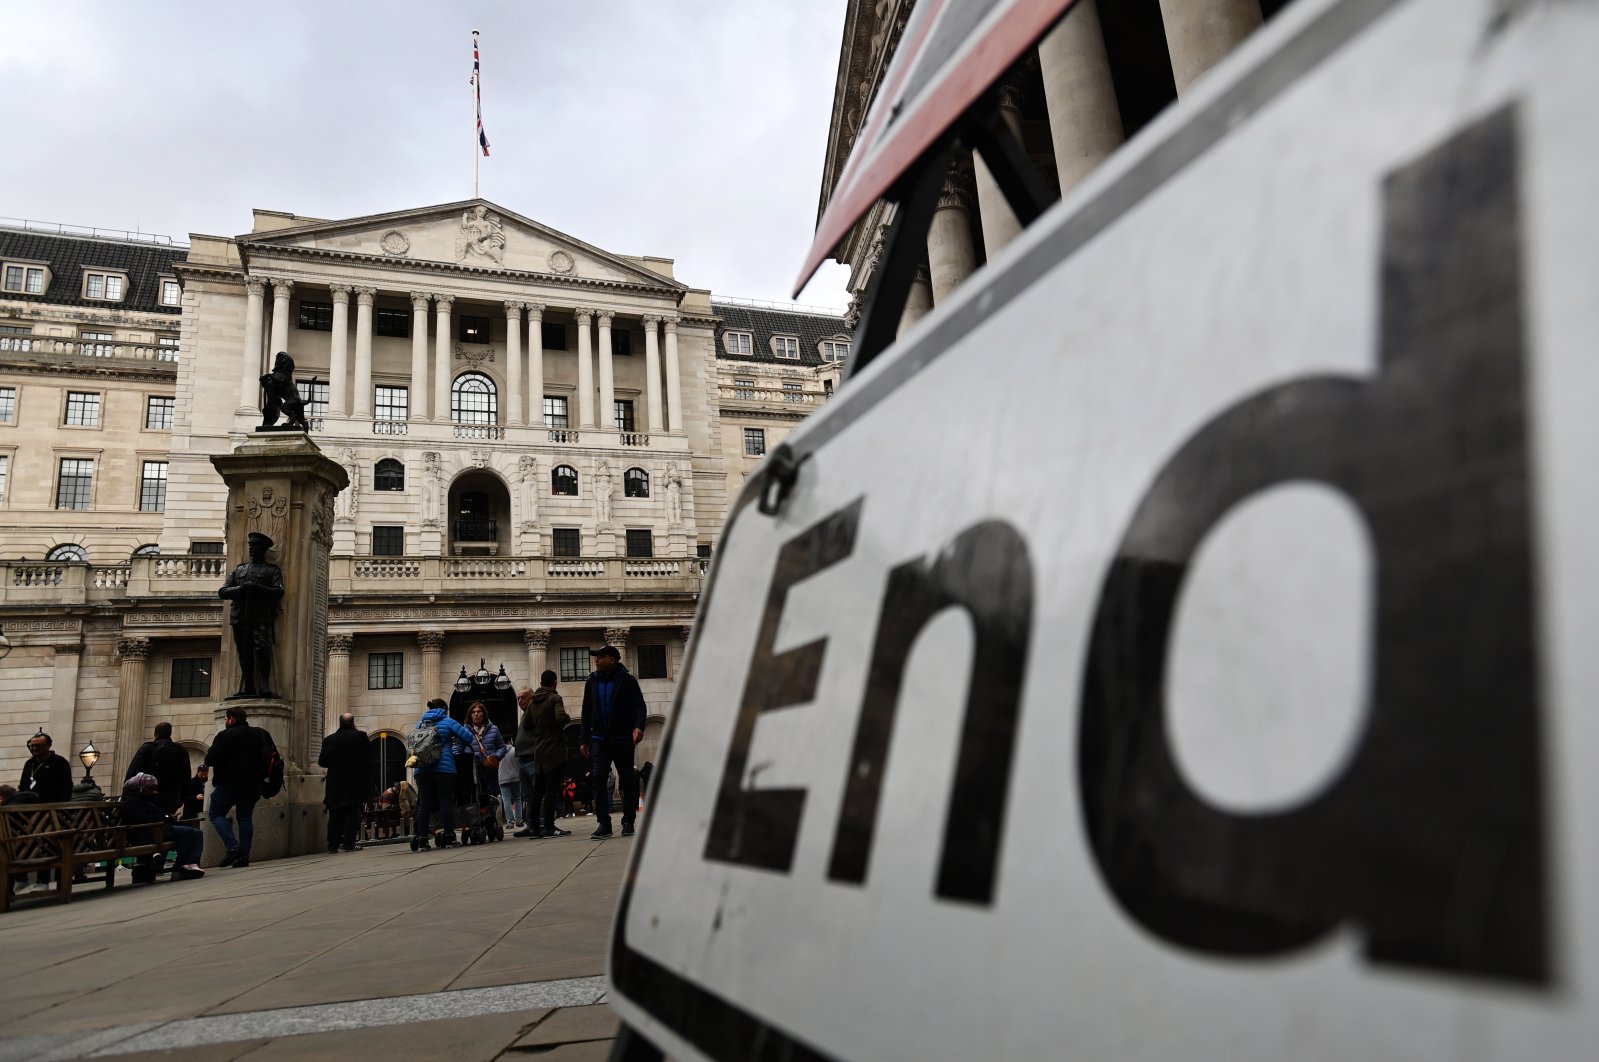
474,329
754,442
625,420
553,336
385,671
16,337
168,348
388,541
104,287
75,483
474,399
635,483
97,344
786,347
26,279
70,551
158,410
640,542
566,541
651,662
391,403
8,405
391,322
388,474
171,293
153,487
621,342
555,412
563,480
191,677
741,343
315,395
575,663
793,391
835,350
743,387
83,409
206,549
5,475
316,316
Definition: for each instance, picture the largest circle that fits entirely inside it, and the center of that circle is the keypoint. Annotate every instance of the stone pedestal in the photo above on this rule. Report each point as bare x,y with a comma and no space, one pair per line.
281,484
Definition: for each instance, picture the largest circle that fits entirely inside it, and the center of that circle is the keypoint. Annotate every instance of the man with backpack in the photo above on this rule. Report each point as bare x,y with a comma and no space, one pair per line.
241,758
167,762
433,759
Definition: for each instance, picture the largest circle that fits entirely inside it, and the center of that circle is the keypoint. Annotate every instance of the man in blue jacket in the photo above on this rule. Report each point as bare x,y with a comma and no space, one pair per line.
435,785
613,722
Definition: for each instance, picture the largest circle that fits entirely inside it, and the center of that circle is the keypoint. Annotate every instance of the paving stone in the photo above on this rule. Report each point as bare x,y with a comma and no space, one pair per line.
480,1037
572,1025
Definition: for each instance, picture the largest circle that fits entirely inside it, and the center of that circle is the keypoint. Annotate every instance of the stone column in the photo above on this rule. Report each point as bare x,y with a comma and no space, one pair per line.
133,655
339,358
617,636
250,354
432,643
362,406
338,699
537,640
652,372
417,401
441,358
535,363
513,364
64,699
686,632
1085,122
1200,32
585,370
607,418
950,254
999,221
674,385
283,486
918,302
280,318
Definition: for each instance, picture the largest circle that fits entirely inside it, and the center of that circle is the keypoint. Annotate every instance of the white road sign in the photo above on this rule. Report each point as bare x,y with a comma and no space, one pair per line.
1182,644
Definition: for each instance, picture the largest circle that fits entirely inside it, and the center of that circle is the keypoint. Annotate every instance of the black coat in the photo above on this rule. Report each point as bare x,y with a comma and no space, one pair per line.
237,757
344,754
627,707
168,762
50,777
138,809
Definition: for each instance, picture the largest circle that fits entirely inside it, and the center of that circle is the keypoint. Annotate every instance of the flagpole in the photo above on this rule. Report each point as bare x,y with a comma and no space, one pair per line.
475,90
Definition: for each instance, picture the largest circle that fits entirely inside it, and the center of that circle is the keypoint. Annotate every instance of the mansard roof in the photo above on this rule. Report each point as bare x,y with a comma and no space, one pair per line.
811,328
426,236
68,256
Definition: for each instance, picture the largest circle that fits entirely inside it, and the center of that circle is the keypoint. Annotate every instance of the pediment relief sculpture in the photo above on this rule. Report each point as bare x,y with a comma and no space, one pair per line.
482,233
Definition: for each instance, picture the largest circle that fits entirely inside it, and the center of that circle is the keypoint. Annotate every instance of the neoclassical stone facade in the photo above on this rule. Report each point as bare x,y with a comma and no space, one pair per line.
531,426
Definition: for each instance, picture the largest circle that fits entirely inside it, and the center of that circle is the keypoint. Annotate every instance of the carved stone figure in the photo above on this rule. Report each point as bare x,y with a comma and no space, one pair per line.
255,588
602,492
481,233
527,468
350,497
674,496
431,473
282,397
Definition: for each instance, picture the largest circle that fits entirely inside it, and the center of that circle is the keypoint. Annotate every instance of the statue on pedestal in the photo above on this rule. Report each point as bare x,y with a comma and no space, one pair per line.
255,588
282,397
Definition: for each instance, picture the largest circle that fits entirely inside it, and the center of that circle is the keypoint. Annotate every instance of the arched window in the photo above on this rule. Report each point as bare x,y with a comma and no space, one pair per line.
473,400
388,475
563,480
68,553
635,483
385,759
150,550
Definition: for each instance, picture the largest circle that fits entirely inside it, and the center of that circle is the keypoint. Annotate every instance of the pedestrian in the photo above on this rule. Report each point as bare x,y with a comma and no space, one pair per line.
435,780
644,773
346,786
46,773
141,805
488,745
613,723
168,762
194,792
511,787
238,755
541,744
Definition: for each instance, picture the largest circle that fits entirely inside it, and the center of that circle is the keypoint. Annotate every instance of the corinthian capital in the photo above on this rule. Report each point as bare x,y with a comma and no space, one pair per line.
584,315
255,286
281,288
617,636
341,292
603,317
340,644
536,637
420,300
430,641
364,296
133,648
535,311
513,310
669,323
651,320
444,302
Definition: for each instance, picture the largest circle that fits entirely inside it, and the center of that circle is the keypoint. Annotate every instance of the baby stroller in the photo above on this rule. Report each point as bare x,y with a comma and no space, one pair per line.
482,815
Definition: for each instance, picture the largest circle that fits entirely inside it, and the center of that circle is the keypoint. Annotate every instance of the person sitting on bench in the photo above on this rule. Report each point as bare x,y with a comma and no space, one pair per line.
139,807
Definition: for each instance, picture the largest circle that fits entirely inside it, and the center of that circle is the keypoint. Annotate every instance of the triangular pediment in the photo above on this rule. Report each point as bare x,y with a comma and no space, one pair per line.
474,233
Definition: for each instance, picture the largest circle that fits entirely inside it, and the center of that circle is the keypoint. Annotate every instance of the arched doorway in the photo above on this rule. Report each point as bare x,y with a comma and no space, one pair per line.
480,514
386,756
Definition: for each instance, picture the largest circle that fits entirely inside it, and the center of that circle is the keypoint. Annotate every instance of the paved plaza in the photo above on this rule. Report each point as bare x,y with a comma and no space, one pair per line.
483,952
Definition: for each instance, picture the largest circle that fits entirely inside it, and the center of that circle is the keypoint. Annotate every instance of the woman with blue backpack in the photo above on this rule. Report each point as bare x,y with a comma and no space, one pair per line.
433,760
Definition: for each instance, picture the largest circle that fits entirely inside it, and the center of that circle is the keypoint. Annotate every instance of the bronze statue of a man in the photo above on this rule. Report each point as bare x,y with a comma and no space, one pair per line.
282,397
255,588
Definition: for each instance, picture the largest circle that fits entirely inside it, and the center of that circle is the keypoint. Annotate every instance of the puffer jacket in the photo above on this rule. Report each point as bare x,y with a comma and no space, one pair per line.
489,744
451,734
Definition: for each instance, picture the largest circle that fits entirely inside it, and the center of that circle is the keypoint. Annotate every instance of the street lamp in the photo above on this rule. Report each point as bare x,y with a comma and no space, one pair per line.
463,684
89,756
502,681
482,678
5,644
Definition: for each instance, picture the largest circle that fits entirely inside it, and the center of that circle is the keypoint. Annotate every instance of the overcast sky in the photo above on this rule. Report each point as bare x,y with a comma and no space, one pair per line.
690,129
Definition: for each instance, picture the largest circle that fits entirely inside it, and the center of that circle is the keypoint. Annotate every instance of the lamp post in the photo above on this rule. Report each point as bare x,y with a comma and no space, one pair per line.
482,678
89,756
463,684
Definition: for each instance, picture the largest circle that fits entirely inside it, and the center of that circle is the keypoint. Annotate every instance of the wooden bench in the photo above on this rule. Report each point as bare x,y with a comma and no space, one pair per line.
68,839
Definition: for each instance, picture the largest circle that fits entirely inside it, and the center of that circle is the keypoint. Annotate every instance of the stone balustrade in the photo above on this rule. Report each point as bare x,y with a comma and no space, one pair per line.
519,575
770,396
87,348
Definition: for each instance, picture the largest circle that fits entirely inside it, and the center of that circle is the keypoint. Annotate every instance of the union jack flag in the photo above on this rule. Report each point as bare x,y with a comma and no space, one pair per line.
477,84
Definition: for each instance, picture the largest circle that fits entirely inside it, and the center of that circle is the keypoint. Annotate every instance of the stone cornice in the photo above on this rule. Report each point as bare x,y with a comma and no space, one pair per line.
87,365
461,269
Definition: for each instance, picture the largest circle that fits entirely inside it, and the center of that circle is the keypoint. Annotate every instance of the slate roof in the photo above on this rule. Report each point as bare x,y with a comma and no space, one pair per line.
67,255
811,328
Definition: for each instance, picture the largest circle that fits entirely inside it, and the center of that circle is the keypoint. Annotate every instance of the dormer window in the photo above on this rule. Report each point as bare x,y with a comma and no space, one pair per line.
171,292
738,343
786,347
835,350
104,286
23,279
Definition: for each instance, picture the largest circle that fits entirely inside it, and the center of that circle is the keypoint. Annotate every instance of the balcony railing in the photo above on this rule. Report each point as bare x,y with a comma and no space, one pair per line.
633,438
388,427
563,435
476,529
771,396
479,431
88,348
